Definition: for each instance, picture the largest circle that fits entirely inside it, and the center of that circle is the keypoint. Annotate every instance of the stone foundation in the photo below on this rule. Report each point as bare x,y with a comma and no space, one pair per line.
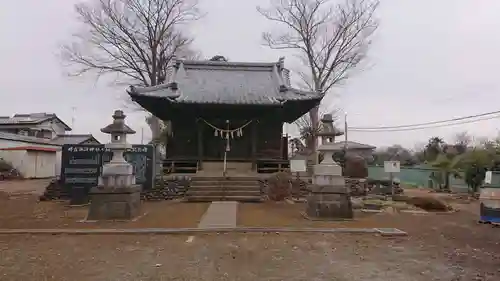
329,203
108,203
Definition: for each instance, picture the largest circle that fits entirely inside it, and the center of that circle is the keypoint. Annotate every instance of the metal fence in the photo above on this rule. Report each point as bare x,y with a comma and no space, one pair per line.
419,177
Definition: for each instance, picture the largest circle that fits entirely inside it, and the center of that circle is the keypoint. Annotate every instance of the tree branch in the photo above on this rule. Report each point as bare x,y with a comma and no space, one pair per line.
331,40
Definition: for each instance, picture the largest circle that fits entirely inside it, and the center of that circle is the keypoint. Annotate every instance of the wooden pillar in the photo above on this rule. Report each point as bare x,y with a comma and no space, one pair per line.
254,144
281,141
200,145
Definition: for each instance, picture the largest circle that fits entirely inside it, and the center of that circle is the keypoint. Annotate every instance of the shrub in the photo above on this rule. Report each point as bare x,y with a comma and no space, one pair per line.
429,203
279,186
356,167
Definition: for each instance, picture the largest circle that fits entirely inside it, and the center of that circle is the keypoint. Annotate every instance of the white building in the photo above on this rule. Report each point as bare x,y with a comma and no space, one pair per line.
40,125
32,143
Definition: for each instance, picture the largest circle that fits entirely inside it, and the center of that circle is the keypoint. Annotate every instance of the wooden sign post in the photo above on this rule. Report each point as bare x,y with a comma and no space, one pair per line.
392,167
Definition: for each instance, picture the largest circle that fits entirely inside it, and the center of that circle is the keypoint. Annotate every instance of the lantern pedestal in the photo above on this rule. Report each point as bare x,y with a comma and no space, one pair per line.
116,197
114,203
329,198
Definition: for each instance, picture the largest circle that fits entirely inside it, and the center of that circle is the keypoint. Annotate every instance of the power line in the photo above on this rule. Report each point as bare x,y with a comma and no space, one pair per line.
430,123
396,129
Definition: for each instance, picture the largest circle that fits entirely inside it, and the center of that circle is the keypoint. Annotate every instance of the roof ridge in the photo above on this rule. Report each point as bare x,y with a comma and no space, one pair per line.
74,135
226,63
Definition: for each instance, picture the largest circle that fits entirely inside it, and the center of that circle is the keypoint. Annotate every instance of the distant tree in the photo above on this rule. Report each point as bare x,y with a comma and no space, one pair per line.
218,58
330,38
474,177
134,40
394,153
419,153
462,142
447,165
434,147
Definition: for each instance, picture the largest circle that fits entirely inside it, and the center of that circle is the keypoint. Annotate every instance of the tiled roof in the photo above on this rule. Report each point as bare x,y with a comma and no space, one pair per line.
32,148
71,139
220,82
57,141
29,139
29,119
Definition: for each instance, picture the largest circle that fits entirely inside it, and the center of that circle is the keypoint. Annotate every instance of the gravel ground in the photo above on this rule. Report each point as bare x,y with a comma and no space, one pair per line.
218,257
24,211
283,214
439,247
448,247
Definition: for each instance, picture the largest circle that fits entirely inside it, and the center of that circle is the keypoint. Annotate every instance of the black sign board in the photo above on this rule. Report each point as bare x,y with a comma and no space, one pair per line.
81,164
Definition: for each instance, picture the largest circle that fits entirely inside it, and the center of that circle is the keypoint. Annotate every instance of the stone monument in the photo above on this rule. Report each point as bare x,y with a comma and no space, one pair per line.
116,197
329,197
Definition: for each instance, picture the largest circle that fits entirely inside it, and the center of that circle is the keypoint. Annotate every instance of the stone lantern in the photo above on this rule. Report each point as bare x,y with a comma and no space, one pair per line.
329,198
116,197
328,131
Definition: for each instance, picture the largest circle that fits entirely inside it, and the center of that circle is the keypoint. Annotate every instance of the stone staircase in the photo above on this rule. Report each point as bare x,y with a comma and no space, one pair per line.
207,189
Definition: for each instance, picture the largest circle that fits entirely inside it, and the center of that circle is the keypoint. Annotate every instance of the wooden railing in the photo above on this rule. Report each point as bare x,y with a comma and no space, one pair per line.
180,166
272,166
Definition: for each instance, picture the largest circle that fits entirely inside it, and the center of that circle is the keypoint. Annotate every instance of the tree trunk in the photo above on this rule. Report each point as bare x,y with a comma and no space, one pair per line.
314,115
447,181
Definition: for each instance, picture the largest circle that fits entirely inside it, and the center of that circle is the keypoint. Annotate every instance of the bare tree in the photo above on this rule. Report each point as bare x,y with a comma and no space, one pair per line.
331,39
462,142
132,39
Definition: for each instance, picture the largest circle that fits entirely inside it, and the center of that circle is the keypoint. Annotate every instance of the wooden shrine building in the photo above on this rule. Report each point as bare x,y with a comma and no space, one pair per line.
226,112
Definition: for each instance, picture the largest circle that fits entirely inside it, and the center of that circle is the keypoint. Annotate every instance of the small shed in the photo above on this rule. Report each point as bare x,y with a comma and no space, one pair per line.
32,162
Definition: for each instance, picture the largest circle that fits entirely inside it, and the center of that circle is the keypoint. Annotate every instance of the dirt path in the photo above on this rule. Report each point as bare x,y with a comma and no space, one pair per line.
447,247
440,247
218,257
34,187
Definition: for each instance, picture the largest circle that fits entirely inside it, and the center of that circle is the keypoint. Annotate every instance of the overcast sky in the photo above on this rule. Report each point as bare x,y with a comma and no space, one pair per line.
431,60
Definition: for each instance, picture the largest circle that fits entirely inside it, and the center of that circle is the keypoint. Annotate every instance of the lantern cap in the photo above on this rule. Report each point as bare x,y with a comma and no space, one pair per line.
118,126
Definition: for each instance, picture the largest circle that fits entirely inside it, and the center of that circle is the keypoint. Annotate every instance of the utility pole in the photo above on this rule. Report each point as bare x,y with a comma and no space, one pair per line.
345,131
344,160
73,109
142,135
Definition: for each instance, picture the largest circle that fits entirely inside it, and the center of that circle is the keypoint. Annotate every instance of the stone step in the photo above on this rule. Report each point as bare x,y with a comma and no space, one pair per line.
204,178
218,187
223,198
223,193
224,183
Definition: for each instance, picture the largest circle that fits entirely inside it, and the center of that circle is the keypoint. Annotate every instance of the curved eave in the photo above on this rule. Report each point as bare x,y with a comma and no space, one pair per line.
166,108
296,108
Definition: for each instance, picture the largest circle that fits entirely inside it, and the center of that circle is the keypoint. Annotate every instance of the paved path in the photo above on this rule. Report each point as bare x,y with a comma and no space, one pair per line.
219,215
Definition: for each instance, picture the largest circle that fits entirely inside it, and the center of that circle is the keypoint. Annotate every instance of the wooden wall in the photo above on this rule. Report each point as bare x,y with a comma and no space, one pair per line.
183,144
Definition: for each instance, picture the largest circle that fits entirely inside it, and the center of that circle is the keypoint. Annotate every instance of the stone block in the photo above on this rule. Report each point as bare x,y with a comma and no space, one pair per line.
117,181
328,180
328,169
108,203
329,202
117,169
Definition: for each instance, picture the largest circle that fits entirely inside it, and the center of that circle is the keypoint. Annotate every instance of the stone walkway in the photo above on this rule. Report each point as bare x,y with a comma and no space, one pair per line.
219,215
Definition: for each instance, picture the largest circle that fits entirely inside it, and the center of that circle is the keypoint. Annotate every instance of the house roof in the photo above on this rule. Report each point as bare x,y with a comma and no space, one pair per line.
220,82
30,119
29,139
31,148
57,141
72,139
